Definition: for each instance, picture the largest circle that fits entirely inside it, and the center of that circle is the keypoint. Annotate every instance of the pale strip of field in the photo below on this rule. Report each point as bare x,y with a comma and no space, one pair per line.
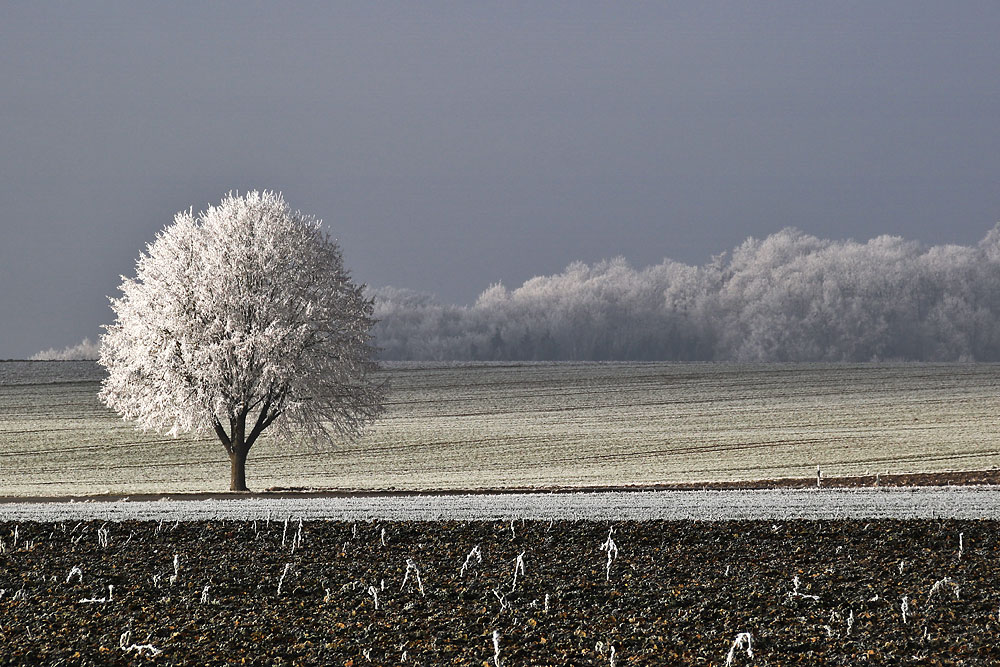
770,505
497,426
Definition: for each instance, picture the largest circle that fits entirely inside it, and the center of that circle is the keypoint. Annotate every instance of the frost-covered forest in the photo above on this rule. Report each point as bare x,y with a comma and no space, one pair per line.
86,349
788,297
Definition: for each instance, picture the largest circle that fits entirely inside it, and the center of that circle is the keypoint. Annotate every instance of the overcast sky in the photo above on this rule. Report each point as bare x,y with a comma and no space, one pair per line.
449,146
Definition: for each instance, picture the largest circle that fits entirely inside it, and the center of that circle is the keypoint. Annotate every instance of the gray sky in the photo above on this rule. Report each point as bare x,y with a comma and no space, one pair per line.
449,146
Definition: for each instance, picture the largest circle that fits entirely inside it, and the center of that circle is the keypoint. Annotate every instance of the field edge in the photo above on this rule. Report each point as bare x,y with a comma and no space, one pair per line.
932,479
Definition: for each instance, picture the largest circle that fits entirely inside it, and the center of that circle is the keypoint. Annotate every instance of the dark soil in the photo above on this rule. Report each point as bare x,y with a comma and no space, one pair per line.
678,593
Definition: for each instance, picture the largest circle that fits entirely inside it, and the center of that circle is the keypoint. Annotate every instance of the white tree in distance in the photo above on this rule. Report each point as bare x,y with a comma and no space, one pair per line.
239,319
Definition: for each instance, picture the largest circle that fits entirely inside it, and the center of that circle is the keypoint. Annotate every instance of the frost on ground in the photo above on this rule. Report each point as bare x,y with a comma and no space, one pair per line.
489,426
775,504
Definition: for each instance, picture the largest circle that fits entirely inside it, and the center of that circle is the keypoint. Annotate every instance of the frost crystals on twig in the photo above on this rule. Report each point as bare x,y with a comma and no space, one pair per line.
138,648
281,581
518,566
297,538
940,586
474,552
111,589
496,643
794,593
412,567
612,549
743,641
599,648
177,570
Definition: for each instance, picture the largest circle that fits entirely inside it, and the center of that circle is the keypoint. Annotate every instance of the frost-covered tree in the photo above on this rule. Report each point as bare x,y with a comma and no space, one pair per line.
239,319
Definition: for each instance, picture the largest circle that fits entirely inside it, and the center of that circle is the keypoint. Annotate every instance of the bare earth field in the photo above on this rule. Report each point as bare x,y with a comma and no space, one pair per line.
674,593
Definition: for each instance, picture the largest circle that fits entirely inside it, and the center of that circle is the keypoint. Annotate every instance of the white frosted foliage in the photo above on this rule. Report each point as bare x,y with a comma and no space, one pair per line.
240,318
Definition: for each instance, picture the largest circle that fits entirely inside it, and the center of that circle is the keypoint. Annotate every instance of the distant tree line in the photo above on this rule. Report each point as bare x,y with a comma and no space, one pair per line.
788,297
83,350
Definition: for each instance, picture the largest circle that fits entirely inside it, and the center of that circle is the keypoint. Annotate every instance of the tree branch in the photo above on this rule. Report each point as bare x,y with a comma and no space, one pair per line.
264,419
223,436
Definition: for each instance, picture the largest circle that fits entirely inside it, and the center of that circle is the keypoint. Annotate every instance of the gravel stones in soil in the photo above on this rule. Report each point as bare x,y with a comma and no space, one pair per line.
523,592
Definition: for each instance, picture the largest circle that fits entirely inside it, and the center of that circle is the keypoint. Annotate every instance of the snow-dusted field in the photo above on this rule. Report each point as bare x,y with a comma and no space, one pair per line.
454,426
895,503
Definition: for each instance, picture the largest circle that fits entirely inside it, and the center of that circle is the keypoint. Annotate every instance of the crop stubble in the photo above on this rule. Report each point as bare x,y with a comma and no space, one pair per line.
677,593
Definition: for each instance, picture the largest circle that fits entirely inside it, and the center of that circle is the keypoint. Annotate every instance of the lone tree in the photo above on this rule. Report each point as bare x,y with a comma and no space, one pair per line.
239,319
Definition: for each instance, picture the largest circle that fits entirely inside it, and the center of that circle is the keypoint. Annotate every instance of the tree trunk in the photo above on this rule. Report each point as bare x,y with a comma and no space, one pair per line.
238,444
237,472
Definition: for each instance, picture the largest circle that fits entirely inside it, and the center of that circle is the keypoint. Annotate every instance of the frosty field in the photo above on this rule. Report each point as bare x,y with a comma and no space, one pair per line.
922,503
491,426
